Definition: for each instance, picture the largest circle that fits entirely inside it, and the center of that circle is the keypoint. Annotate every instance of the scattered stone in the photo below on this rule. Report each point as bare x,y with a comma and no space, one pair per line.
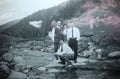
4,69
42,68
3,63
19,63
92,61
8,57
25,71
85,53
115,54
17,75
34,72
19,60
36,48
19,68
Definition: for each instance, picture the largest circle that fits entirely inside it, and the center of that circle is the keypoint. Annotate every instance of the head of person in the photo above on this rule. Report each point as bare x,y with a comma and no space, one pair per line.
53,23
71,24
65,26
59,23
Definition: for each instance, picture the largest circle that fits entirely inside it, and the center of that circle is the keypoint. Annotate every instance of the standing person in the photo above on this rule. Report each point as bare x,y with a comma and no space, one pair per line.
73,36
65,28
57,35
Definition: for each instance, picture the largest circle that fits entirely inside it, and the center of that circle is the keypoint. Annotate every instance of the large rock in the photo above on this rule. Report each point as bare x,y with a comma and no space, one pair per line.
19,60
115,54
17,75
8,57
5,69
19,63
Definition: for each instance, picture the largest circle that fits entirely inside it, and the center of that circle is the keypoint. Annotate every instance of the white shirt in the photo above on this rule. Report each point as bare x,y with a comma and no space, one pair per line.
76,33
53,34
66,50
65,31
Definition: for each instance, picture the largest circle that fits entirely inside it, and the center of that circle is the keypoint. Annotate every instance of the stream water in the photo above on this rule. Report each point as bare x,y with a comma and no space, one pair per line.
88,74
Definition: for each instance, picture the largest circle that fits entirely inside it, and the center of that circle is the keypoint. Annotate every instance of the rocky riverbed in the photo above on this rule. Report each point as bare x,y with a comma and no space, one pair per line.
27,60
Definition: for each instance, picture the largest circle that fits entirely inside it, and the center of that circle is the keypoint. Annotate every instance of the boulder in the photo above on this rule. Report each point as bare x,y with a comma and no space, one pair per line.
3,63
115,54
5,69
8,57
19,63
20,68
17,75
19,60
42,68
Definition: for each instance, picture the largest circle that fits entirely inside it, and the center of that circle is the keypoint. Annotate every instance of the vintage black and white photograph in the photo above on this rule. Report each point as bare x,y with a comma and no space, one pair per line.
59,39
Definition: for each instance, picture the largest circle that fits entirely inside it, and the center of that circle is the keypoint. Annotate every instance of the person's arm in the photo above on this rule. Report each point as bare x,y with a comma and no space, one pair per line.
59,51
68,34
53,34
78,34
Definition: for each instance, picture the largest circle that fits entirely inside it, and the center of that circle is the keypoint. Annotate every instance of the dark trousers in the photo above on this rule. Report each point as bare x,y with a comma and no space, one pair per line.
66,58
56,46
73,43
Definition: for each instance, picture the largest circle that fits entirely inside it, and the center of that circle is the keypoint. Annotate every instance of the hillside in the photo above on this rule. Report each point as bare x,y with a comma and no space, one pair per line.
100,17
8,25
25,30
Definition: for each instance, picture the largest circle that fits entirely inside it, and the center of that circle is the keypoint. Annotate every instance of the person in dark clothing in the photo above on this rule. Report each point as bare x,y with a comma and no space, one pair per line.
73,36
58,35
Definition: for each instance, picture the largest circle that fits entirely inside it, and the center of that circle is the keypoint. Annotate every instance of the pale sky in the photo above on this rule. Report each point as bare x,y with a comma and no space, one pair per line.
15,9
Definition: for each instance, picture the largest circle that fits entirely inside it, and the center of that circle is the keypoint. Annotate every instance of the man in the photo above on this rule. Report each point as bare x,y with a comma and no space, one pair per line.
57,35
73,36
65,53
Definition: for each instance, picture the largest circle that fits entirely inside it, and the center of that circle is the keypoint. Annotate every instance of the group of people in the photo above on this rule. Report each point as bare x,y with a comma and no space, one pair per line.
65,38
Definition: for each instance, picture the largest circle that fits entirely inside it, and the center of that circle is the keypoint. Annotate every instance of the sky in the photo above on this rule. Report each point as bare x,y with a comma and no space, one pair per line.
16,9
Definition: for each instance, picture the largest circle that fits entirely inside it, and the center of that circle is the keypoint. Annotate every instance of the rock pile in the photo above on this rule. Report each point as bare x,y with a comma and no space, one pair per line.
92,51
44,45
6,65
12,66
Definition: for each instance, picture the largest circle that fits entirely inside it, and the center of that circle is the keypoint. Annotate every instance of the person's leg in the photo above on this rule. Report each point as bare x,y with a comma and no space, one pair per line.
62,59
56,56
67,59
56,46
74,46
55,49
75,50
70,43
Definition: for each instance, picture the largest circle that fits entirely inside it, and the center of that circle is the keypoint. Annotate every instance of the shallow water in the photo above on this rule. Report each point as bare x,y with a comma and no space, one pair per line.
88,74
